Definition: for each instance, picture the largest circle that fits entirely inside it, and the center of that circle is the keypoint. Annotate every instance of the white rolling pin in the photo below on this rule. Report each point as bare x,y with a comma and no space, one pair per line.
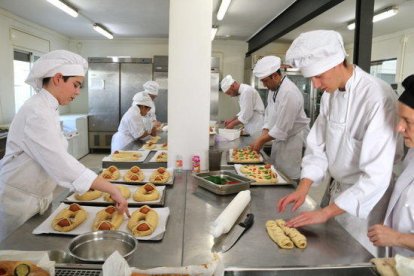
228,217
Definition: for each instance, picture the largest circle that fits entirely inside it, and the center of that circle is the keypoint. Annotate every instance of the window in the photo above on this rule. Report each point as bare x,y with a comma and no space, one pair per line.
22,91
385,70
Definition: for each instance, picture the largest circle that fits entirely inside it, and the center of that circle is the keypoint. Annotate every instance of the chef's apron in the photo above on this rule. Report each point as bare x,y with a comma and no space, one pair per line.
338,143
286,155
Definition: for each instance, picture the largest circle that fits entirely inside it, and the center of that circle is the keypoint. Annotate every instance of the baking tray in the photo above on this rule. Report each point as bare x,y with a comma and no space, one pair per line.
231,161
282,179
143,153
147,174
156,147
46,226
225,189
131,202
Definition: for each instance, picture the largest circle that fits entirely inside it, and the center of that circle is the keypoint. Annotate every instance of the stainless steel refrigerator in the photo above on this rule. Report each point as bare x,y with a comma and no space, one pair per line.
111,85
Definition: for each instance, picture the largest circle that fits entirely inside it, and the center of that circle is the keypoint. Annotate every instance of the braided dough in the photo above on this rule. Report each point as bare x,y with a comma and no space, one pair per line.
20,268
134,174
69,218
285,237
126,156
143,221
111,173
125,192
147,192
107,219
160,176
89,195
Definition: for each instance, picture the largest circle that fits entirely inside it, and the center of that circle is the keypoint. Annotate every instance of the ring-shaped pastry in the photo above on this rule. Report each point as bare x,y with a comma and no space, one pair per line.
107,219
147,192
69,218
143,221
125,192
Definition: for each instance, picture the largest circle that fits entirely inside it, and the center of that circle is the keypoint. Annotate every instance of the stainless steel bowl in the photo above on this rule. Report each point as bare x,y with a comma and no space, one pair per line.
98,246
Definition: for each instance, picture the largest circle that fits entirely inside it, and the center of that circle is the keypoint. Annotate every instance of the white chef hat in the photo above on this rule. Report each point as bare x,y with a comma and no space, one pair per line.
226,82
316,52
59,61
142,98
266,66
151,87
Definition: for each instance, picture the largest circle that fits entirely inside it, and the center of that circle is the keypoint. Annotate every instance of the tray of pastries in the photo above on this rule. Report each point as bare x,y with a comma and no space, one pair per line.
244,156
127,156
160,156
262,174
146,223
136,175
148,194
153,146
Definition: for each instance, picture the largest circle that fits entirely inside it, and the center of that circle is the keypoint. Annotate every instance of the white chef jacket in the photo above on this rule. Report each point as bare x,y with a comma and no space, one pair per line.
131,127
251,113
150,117
36,160
400,212
288,125
353,137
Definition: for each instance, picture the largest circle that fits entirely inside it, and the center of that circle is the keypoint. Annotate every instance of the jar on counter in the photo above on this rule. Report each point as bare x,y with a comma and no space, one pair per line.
196,163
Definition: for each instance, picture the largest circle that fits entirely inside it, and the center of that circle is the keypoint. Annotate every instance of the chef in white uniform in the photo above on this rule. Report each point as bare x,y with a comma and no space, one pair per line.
151,124
132,125
352,138
36,156
251,106
285,121
398,231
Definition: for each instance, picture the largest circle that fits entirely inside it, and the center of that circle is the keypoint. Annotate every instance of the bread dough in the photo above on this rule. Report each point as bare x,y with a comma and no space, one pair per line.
143,221
154,139
134,174
277,235
164,146
162,157
69,218
21,268
89,195
147,192
125,192
297,238
126,156
149,145
111,173
262,174
245,155
107,219
160,176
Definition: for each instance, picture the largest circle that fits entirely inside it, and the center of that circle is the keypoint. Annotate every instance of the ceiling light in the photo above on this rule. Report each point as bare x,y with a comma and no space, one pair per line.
100,29
64,7
223,8
388,12
213,32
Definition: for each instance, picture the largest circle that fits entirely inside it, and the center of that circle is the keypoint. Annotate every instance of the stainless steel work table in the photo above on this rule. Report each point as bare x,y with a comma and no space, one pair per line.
187,239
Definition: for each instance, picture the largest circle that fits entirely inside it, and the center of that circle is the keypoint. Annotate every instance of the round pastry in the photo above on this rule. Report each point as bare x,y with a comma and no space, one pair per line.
19,268
160,175
69,218
143,221
135,169
125,192
107,219
134,177
107,175
115,171
89,195
147,192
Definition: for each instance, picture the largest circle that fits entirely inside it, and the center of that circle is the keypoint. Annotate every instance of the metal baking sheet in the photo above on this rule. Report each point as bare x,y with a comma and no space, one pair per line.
282,179
46,226
143,153
154,157
231,161
147,174
223,189
131,202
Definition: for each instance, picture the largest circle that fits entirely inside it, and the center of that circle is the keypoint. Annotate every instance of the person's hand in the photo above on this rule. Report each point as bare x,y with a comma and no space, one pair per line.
297,198
256,145
121,203
156,124
381,235
307,218
226,122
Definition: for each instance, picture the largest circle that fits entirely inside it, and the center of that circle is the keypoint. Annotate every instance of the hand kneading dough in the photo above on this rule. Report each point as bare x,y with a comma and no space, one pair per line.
147,192
277,235
69,218
107,219
143,221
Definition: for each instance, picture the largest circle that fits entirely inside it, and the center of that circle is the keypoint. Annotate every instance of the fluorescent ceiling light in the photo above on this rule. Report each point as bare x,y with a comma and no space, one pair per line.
223,8
64,7
379,16
100,29
213,32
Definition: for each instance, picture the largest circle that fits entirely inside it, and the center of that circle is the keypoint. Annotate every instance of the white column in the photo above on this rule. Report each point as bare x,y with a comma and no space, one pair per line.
189,80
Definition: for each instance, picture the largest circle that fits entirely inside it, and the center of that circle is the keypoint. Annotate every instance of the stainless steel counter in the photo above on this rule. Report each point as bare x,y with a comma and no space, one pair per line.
187,239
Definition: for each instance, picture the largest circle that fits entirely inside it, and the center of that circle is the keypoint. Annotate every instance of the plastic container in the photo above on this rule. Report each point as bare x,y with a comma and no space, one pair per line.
179,163
196,163
229,134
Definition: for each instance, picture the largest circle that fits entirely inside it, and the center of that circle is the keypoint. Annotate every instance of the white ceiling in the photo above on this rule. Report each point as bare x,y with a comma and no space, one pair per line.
149,18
